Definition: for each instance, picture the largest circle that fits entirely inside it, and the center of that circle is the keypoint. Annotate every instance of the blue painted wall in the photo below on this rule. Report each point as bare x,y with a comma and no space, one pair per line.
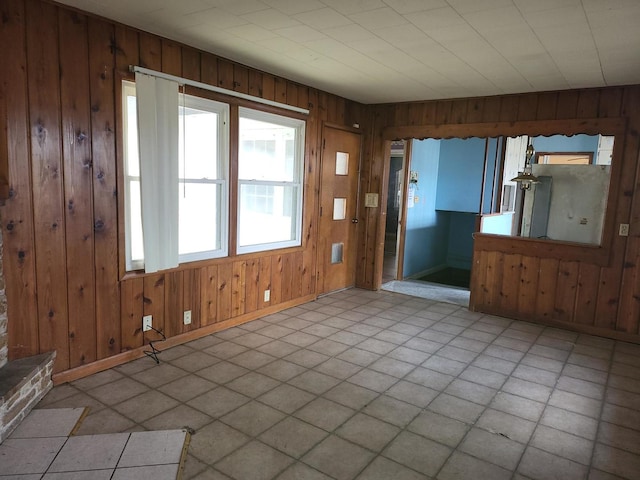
460,174
561,143
426,229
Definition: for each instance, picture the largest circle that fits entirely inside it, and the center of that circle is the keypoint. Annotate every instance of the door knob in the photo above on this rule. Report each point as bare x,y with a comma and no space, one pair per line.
354,220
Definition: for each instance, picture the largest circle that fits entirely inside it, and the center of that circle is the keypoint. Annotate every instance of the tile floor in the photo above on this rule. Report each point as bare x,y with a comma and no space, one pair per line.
44,447
378,385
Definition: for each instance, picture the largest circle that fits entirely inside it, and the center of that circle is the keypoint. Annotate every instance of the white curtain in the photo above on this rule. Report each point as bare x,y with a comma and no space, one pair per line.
157,103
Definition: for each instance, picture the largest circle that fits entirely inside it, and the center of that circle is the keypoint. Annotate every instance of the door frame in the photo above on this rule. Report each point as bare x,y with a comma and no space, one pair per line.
346,128
402,223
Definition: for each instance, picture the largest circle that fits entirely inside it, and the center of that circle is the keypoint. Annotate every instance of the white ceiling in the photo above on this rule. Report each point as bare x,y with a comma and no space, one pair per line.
377,51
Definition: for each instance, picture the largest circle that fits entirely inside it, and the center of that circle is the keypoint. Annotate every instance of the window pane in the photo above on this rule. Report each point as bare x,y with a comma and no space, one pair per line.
199,217
198,144
337,250
135,220
268,214
266,151
342,163
339,208
133,163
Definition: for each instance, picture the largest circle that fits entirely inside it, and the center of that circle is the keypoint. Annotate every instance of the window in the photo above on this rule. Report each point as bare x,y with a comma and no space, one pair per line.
270,167
202,183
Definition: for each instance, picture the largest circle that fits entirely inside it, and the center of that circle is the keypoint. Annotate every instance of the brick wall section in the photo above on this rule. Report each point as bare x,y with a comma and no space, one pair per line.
3,313
23,383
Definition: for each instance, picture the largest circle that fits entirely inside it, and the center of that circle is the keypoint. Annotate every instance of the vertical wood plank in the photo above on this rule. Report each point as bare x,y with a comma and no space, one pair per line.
547,281
443,112
510,282
509,108
280,90
131,312
493,283
567,104
477,284
547,106
528,285
588,277
225,74
171,58
105,192
588,103
238,285
225,278
209,69
610,102
173,303
276,279
240,78
268,86
153,288
48,194
474,110
252,285
127,49
564,304
459,111
527,107
255,83
76,150
17,215
491,109
209,295
265,282
150,51
191,64
191,299
287,277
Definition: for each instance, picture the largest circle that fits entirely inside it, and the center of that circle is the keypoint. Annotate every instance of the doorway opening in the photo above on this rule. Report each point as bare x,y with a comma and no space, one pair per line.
392,266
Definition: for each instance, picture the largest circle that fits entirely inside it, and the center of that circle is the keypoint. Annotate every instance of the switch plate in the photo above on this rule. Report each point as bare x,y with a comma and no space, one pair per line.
147,322
187,317
624,230
267,295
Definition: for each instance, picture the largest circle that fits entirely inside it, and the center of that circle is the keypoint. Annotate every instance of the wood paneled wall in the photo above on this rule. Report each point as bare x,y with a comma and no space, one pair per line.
63,223
540,285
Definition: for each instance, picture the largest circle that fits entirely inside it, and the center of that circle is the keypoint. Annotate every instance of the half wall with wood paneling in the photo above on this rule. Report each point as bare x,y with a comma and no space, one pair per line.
593,290
63,224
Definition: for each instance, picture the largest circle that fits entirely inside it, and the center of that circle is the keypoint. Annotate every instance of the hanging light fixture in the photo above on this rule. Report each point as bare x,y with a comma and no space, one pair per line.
526,177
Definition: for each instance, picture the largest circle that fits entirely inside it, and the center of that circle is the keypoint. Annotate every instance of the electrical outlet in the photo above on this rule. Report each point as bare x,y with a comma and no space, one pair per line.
187,317
147,322
267,295
624,230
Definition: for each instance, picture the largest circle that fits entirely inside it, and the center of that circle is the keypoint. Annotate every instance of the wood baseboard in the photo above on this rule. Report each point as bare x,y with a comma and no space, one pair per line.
124,357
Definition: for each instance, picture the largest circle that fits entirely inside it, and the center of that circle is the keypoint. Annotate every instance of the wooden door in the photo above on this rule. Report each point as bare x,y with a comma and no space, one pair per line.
338,209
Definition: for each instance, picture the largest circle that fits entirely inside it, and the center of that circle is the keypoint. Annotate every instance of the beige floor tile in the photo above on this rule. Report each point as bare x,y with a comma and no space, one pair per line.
145,406
570,422
252,359
25,456
412,393
471,391
530,390
409,355
300,471
338,458
368,432
215,441
509,426
392,410
619,437
429,378
306,358
218,402
314,382
153,448
53,422
255,461
351,395
104,421
494,364
338,368
439,428
562,444
391,366
324,414
225,350
118,391
97,379
418,453
582,387
253,418
464,467
156,472
159,375
576,403
456,408
616,461
360,357
293,437
536,375
252,340
484,377
277,348
621,416
518,406
90,452
187,387
194,361
253,384
286,398
493,448
383,469
376,381
182,416
93,474
539,465
222,372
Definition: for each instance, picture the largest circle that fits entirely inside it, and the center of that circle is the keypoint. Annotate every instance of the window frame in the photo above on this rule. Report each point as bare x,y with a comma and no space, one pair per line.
222,109
299,125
